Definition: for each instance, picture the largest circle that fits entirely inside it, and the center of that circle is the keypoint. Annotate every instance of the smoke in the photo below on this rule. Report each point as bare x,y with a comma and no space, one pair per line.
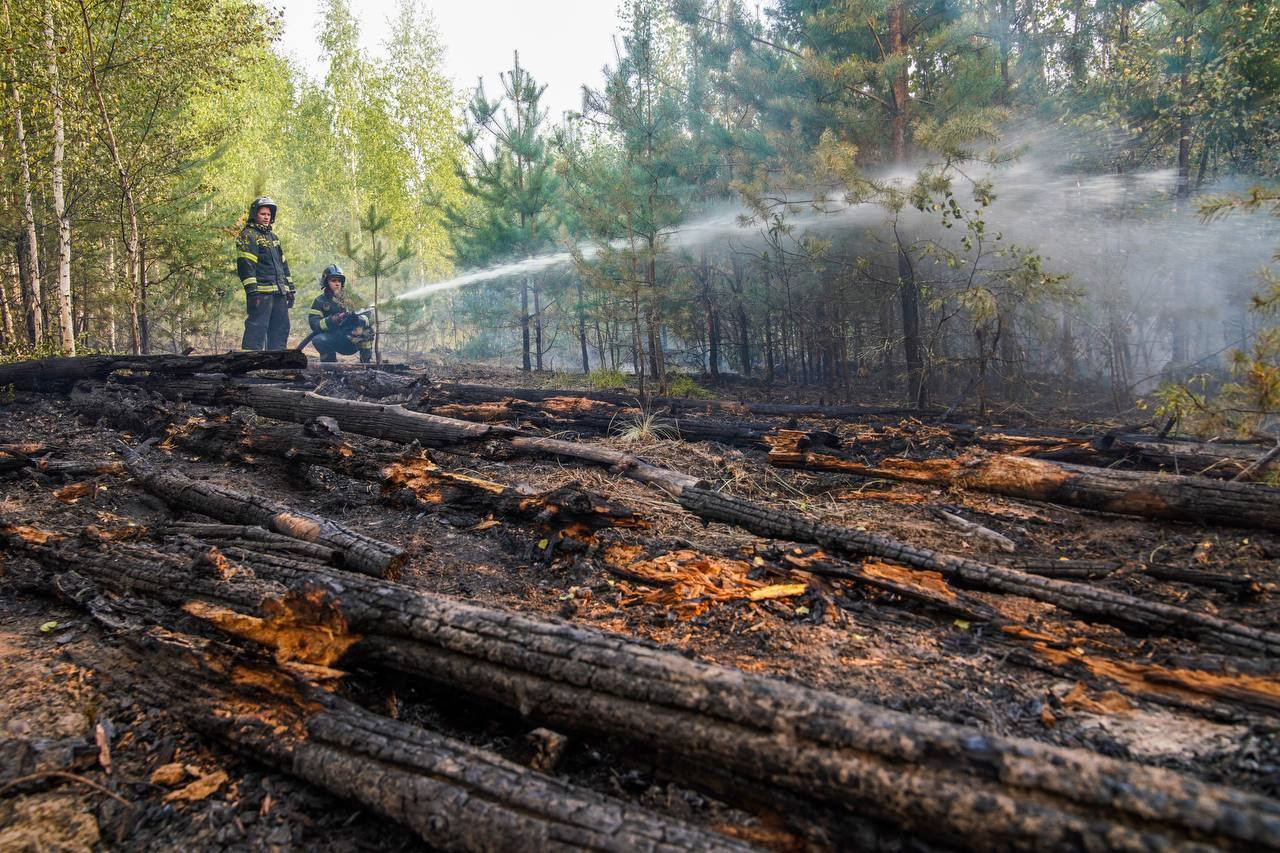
1139,259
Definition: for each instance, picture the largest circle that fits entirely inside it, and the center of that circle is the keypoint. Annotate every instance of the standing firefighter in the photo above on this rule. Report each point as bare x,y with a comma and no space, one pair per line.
335,325
268,287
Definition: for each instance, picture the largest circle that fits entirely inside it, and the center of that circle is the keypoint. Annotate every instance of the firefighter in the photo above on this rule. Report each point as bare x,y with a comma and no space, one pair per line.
335,325
268,286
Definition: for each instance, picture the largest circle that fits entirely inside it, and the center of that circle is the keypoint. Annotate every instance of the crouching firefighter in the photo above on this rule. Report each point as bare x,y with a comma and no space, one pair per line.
268,286
335,325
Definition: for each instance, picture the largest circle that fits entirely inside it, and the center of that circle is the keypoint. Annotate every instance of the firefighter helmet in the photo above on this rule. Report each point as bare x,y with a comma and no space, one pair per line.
332,271
262,201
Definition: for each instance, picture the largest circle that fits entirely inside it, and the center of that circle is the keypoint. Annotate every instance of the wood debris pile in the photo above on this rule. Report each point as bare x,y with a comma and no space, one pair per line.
261,554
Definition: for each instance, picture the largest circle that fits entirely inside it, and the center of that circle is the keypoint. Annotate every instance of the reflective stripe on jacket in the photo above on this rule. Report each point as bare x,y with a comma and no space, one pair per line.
260,262
319,318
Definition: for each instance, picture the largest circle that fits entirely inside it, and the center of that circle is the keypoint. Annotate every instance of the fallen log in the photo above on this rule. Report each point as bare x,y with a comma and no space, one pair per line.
1192,689
1201,458
463,393
567,511
1091,602
926,588
1164,496
1060,567
1241,586
59,374
562,414
359,552
1087,601
452,795
376,420
938,782
625,464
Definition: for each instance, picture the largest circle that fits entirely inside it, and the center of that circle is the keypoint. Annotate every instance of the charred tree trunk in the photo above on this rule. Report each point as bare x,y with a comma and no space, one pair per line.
359,552
54,374
566,511
452,795
894,773
1089,602
1150,495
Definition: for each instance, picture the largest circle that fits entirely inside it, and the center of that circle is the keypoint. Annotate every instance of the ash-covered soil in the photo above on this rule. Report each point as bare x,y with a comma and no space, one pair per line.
85,764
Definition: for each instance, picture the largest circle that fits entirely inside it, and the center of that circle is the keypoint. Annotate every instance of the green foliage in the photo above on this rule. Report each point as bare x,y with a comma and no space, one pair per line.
606,380
684,386
1249,402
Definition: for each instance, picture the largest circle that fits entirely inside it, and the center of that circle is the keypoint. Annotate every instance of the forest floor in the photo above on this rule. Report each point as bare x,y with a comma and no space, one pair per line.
85,764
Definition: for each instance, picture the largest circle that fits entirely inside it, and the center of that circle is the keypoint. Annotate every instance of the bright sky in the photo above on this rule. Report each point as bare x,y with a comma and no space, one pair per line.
564,43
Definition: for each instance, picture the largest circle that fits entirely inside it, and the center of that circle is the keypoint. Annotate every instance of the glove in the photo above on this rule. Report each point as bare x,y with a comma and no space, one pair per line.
289,297
337,319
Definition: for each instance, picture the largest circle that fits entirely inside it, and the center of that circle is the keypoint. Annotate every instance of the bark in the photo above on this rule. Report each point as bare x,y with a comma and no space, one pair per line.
694,495
526,363
359,552
54,374
623,463
452,795
600,418
32,290
1093,603
568,511
132,236
59,203
376,420
898,774
460,393
1149,495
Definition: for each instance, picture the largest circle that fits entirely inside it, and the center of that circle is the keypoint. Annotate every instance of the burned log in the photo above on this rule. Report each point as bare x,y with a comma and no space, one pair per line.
462,393
1090,602
935,781
59,374
359,552
376,420
598,418
626,464
1149,495
452,795
1202,458
568,511
1060,567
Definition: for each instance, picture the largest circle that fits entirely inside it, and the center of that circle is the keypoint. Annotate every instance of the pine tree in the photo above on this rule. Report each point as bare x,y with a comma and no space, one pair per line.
510,179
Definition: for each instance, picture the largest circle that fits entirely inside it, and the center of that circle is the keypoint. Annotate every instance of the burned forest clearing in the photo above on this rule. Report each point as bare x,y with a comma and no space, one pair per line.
247,602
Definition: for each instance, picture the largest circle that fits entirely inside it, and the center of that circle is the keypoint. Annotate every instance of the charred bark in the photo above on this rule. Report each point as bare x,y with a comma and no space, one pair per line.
936,781
58,374
1150,495
1089,602
569,510
359,552
462,394
600,418
452,795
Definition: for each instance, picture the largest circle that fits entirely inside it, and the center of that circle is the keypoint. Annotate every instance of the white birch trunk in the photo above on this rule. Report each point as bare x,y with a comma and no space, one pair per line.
59,203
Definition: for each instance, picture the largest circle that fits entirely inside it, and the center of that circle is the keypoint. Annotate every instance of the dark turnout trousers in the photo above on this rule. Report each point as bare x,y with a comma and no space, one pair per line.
332,344
266,322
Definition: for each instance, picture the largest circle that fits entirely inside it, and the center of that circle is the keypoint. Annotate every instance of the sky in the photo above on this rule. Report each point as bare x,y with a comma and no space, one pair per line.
564,43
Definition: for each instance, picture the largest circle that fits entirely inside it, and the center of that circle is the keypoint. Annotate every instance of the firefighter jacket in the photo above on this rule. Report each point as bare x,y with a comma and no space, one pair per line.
260,261
325,306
